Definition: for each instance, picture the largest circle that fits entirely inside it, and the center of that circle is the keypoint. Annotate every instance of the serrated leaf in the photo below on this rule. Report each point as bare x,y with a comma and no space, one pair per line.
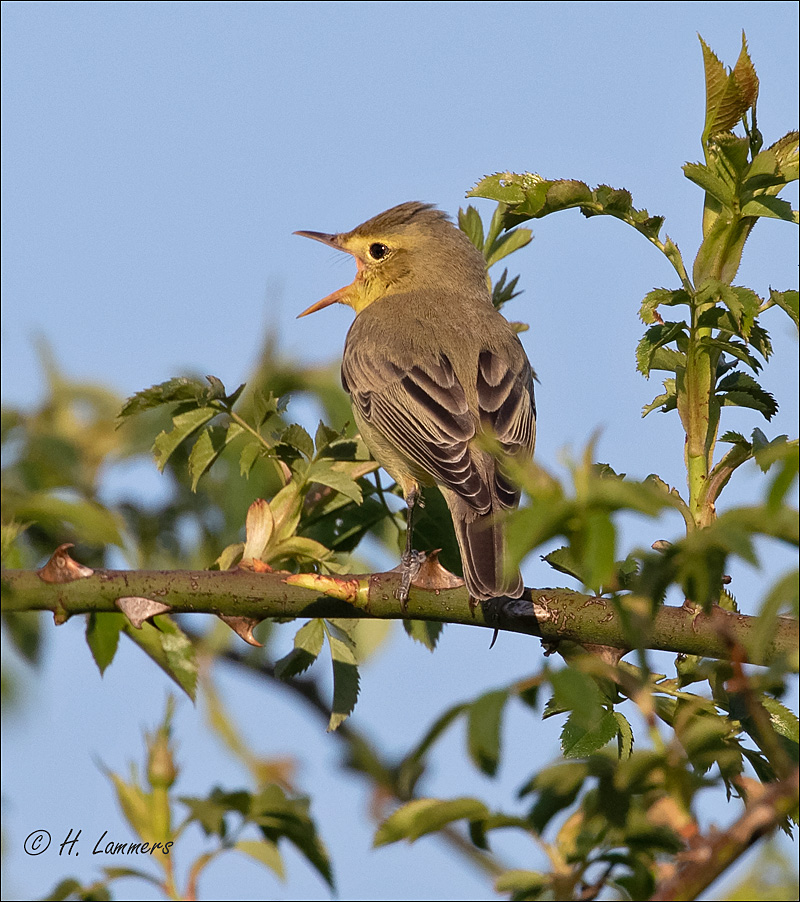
102,637
788,302
668,400
654,338
170,392
735,349
297,437
741,390
426,632
183,426
249,455
307,646
422,816
771,207
734,438
624,735
169,647
483,730
710,182
563,560
208,447
578,741
659,297
345,681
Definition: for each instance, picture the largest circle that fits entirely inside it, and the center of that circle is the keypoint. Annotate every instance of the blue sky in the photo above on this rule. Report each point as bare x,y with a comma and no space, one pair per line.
157,158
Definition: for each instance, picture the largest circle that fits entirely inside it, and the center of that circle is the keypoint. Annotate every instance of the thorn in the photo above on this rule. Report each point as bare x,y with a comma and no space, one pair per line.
61,568
243,627
138,609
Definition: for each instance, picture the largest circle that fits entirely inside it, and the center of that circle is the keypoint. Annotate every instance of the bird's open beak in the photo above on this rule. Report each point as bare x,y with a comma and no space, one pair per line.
340,296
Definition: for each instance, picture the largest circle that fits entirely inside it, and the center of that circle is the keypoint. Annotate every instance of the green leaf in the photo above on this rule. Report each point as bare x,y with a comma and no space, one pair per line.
102,636
788,302
578,742
278,815
522,884
345,681
84,521
667,400
741,390
661,297
483,730
599,546
709,181
625,737
422,816
169,647
208,447
329,473
735,349
470,223
556,788
263,852
426,632
771,207
507,244
170,392
297,437
563,560
653,338
307,646
183,425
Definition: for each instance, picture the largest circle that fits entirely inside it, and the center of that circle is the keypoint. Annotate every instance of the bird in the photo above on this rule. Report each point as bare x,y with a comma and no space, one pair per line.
440,385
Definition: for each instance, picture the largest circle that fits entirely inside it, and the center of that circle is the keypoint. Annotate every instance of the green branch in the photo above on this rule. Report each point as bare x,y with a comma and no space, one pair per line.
549,613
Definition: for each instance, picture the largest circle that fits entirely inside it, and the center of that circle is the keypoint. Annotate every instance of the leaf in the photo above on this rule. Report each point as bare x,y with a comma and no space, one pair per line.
654,338
599,546
556,788
667,401
422,816
710,182
208,447
771,207
327,472
470,223
297,437
265,853
102,636
659,297
345,681
507,244
170,392
277,815
426,632
625,737
522,884
578,741
483,730
735,349
170,648
563,560
788,302
307,646
742,390
183,425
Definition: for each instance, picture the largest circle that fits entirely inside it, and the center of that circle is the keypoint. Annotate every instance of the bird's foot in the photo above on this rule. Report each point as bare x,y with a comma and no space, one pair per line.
410,565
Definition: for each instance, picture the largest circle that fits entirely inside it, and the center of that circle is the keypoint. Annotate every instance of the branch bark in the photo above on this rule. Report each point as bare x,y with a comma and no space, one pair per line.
551,614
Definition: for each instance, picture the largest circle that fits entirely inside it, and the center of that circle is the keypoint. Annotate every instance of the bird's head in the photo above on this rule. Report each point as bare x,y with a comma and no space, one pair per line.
407,248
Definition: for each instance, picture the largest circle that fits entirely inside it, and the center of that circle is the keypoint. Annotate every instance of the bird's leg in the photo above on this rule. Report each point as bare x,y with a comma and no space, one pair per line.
412,560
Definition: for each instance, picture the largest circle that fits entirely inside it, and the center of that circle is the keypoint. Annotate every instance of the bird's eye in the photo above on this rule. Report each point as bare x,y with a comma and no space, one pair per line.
378,251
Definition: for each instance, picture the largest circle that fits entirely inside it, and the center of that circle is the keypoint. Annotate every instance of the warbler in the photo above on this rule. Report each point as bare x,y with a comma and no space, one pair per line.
431,366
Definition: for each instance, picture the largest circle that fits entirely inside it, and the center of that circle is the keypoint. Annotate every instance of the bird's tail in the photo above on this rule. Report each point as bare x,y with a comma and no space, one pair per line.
481,539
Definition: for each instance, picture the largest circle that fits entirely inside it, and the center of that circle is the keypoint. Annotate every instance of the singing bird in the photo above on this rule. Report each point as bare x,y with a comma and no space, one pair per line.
431,366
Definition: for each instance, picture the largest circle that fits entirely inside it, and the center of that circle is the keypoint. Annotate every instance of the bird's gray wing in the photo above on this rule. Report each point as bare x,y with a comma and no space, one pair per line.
422,410
507,411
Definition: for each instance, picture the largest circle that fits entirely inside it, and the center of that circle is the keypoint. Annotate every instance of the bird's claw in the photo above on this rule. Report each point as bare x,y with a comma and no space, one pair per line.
411,562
